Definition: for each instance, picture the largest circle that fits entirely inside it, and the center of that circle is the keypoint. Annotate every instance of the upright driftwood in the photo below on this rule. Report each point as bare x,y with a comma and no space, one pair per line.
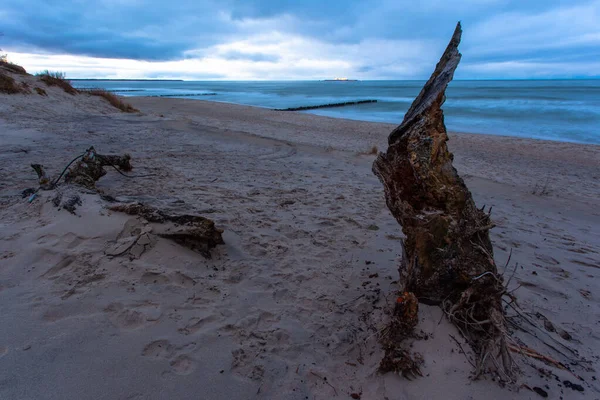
448,253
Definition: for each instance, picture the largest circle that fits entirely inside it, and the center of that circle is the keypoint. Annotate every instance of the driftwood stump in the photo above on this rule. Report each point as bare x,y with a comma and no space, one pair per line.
448,255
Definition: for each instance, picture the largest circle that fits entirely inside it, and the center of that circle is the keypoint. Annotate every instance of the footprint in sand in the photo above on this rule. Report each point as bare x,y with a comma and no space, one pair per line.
134,317
160,349
183,365
183,280
72,240
195,324
155,278
54,314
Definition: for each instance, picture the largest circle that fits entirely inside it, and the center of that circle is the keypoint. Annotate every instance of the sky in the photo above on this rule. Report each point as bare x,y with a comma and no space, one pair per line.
301,39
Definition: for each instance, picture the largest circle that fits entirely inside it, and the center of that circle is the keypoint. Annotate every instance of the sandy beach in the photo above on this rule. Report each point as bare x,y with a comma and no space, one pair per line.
290,306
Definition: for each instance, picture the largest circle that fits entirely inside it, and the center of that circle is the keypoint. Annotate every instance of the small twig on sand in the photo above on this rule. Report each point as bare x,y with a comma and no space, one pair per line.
463,350
526,351
324,380
353,300
507,261
512,275
214,180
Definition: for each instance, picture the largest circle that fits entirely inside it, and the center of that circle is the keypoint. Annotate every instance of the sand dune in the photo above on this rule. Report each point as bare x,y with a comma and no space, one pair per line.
291,305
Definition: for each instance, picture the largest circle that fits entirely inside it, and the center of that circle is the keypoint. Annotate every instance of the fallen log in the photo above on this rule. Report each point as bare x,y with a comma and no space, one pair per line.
192,231
448,256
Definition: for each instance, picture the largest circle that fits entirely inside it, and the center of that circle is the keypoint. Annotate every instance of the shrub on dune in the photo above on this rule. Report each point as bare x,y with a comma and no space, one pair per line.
114,100
57,79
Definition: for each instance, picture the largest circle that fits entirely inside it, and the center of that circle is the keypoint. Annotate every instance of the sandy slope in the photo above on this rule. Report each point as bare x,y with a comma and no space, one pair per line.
300,288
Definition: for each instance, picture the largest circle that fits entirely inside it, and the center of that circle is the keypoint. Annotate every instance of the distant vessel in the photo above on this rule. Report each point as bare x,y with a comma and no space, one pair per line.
340,80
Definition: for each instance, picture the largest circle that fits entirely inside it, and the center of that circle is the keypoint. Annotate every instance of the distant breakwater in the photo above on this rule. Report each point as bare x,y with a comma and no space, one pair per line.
347,103
184,95
111,90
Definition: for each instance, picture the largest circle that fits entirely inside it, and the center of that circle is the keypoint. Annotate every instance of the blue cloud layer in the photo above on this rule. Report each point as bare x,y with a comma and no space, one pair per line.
496,31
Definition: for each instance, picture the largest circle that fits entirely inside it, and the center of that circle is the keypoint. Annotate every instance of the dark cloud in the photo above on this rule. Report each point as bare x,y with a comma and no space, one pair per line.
496,30
113,29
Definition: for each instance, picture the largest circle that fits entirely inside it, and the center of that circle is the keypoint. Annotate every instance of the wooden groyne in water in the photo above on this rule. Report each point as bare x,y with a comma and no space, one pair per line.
348,103
184,95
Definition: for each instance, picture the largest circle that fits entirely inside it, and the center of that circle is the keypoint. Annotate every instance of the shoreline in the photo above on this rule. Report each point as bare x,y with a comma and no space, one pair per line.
545,111
379,125
307,110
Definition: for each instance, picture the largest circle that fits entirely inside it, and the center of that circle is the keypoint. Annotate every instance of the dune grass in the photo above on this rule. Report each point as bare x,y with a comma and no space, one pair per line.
17,69
51,78
9,86
114,100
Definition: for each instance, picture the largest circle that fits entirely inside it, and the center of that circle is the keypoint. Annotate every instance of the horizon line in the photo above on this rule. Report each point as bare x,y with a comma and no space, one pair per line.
326,80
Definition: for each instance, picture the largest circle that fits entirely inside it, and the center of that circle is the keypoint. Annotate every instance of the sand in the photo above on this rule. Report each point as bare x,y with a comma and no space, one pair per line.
290,306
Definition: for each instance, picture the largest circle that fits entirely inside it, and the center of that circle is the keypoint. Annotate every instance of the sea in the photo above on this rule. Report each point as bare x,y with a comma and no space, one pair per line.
560,110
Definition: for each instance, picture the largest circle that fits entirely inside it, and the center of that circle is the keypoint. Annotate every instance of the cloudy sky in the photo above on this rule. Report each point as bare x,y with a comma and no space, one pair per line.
301,39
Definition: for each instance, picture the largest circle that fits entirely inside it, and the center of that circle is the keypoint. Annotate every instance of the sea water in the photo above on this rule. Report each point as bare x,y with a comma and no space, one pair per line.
562,110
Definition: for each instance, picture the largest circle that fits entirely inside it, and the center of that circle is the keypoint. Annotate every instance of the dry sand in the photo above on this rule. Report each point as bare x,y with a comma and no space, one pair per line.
290,306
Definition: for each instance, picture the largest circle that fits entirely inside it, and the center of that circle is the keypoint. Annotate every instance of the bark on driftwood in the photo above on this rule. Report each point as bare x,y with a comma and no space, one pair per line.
90,168
448,255
192,231
42,178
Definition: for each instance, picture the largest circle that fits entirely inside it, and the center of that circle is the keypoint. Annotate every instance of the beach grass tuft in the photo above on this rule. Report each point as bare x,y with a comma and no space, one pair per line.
55,78
17,69
113,99
9,86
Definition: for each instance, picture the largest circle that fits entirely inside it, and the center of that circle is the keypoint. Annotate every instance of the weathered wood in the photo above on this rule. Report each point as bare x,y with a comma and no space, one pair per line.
122,162
90,167
41,173
331,105
448,253
195,232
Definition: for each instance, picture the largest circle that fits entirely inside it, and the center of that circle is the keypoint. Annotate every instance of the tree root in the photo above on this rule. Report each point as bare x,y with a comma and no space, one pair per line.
479,317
